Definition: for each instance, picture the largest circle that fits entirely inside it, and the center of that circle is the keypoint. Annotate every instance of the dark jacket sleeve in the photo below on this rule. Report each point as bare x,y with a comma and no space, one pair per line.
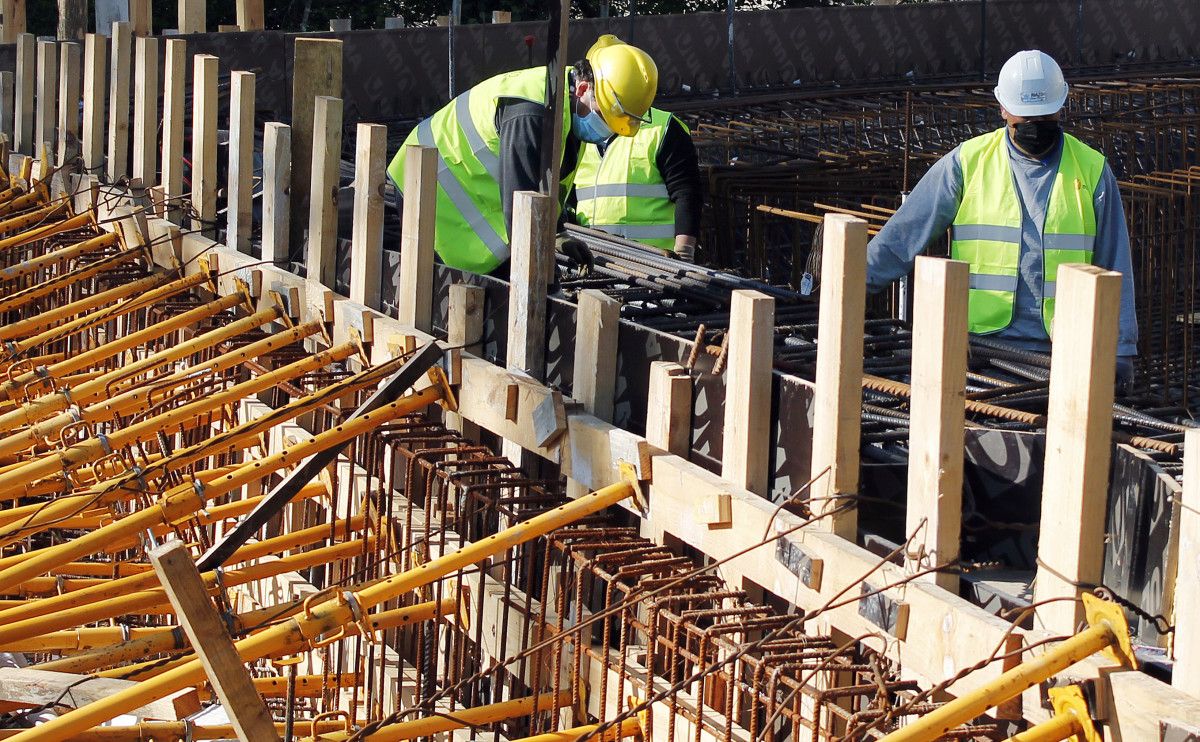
680,170
519,123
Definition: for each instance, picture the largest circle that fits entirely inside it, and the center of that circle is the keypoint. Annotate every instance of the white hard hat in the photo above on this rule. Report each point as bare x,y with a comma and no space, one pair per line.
1031,84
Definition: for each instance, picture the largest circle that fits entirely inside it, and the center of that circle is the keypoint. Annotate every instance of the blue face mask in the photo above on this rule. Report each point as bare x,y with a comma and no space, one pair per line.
590,128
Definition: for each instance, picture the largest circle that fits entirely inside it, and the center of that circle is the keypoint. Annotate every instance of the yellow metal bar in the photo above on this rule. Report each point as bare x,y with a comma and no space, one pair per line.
627,728
93,449
24,296
460,718
1072,720
88,392
29,218
1060,727
104,314
43,320
175,731
79,221
332,615
1107,631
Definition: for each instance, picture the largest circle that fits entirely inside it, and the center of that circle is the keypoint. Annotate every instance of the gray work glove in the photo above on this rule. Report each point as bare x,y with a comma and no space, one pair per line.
686,253
578,255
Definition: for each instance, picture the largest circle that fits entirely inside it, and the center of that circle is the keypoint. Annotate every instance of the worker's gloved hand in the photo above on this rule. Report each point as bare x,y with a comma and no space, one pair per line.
1125,375
686,252
577,252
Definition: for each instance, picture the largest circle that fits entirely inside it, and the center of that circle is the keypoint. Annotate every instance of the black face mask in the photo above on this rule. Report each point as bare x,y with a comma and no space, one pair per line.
1036,137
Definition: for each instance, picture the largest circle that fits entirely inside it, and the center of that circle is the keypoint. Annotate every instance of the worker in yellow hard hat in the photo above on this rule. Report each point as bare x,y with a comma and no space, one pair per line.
489,142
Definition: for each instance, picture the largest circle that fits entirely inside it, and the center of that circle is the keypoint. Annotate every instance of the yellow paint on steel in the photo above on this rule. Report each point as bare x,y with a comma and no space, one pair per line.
16,221
626,728
174,731
79,221
1072,719
105,385
460,718
330,616
1107,631
104,314
93,449
54,315
20,298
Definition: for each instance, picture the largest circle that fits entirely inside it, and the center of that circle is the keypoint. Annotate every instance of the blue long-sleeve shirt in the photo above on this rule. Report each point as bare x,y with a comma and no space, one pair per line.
930,209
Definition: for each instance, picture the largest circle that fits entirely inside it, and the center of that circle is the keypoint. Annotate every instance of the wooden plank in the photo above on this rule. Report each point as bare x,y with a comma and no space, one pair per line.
366,252
1137,703
26,84
72,20
95,100
239,203
250,16
595,372
321,257
192,16
28,687
145,111
669,408
464,334
838,397
277,184
939,376
501,16
141,17
7,101
70,90
1078,442
204,142
415,298
47,95
746,442
118,101
14,20
317,70
174,116
206,631
1186,675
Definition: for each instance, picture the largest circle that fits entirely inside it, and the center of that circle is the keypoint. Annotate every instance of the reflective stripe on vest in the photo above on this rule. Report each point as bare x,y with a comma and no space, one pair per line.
623,192
987,230
470,231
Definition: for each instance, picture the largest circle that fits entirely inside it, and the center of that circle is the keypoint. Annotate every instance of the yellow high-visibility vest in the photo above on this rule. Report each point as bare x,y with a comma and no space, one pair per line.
987,228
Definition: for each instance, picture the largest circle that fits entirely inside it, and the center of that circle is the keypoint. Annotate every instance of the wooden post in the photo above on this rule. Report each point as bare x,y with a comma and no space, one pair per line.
72,20
26,82
70,79
141,17
837,417
321,258
14,20
532,237
317,71
47,96
192,18
464,329
145,112
118,101
174,115
95,86
206,632
501,16
746,442
204,142
1186,674
669,408
415,298
239,204
250,16
7,101
277,184
935,449
366,252
1078,442
595,373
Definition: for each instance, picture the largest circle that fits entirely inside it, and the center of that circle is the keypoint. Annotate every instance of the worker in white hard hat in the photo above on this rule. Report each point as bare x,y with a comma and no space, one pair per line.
1019,202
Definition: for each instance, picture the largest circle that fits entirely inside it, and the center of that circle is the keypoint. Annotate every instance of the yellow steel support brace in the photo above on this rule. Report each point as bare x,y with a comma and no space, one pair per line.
1071,720
1106,631
627,728
331,616
459,718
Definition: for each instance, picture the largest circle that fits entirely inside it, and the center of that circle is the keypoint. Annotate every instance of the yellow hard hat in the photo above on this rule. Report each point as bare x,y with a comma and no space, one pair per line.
625,80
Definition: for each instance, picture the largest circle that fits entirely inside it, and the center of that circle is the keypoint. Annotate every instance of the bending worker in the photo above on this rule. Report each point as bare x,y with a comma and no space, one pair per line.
489,142
645,188
1019,202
